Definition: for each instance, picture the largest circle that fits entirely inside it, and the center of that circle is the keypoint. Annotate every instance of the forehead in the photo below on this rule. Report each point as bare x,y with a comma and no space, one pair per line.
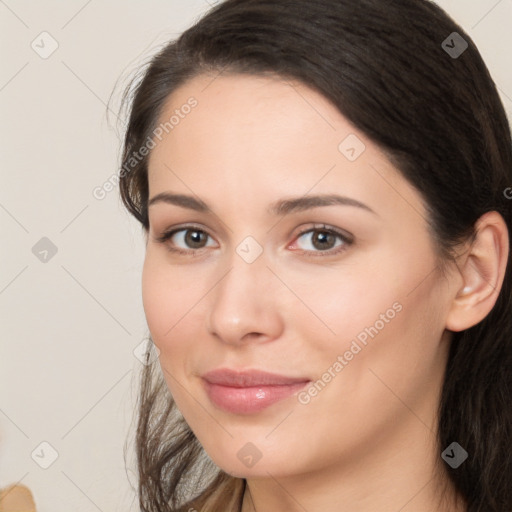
255,115
253,136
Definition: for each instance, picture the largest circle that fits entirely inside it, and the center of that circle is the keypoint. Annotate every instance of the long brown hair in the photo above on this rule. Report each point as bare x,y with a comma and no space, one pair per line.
438,117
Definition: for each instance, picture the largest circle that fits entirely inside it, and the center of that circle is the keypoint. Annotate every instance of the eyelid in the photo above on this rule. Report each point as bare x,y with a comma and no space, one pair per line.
326,227
167,233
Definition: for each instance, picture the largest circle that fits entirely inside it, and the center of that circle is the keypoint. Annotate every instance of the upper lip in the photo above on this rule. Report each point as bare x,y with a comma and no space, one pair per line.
248,378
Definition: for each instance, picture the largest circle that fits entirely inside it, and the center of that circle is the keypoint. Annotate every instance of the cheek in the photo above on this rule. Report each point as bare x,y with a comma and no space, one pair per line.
171,298
155,300
392,349
387,309
345,302
163,298
166,301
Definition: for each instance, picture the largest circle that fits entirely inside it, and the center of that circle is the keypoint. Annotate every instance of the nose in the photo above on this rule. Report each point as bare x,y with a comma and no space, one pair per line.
244,305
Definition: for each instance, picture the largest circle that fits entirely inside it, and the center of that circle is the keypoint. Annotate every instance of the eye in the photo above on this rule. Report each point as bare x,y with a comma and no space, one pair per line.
323,239
190,237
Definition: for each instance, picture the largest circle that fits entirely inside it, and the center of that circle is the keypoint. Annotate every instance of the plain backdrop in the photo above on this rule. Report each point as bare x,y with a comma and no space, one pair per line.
72,319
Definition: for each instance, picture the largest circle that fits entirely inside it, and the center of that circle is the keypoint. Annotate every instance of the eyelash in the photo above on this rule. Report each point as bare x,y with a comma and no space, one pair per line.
347,241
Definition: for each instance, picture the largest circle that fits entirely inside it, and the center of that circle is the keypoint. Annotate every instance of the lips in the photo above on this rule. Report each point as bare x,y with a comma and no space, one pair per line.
249,378
250,391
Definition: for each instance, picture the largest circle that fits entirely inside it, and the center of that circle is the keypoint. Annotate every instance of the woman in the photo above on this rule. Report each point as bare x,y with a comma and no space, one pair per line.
322,187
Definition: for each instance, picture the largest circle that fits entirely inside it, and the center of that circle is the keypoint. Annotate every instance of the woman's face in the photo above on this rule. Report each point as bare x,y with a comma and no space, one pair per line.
360,314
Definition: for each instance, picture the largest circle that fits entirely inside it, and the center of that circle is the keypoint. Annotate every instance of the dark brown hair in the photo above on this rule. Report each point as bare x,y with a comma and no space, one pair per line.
438,117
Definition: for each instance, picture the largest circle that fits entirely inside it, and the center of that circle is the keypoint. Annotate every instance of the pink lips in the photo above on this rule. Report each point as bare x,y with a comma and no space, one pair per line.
249,391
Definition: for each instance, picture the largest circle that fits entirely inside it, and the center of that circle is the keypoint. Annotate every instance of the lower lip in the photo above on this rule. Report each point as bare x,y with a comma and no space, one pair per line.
249,400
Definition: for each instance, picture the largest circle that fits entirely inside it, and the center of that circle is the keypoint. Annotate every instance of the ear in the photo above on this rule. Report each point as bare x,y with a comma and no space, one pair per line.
482,268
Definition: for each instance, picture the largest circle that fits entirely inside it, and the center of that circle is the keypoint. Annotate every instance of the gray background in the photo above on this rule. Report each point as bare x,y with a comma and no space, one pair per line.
70,321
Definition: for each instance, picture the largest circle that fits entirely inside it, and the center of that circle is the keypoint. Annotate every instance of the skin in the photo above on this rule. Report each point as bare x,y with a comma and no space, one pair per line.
367,439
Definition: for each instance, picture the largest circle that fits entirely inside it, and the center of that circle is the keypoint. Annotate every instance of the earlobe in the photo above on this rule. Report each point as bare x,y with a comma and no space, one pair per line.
482,268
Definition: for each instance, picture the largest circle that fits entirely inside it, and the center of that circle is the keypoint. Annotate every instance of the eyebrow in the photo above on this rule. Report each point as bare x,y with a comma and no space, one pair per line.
279,208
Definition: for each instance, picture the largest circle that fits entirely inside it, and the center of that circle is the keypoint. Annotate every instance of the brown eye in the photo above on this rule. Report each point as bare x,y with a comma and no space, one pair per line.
195,238
322,239
185,239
